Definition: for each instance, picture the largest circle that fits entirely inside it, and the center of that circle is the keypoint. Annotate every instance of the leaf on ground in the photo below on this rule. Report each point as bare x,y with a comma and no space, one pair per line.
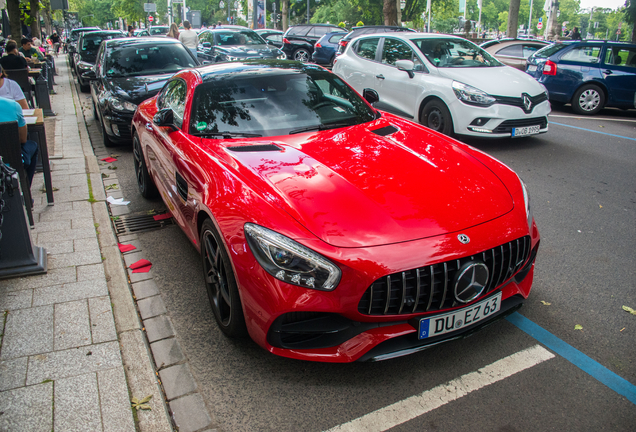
105,175
114,155
111,167
578,327
600,206
141,404
151,212
630,310
545,303
111,186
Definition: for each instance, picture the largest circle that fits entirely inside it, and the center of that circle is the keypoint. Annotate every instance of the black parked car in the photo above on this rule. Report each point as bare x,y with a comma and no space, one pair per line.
154,31
222,45
86,52
272,36
127,72
359,31
71,41
299,40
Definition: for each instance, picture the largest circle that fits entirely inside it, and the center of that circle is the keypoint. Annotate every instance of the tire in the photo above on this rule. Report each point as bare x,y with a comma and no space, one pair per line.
107,141
435,115
588,100
146,185
301,55
220,283
84,88
330,65
95,112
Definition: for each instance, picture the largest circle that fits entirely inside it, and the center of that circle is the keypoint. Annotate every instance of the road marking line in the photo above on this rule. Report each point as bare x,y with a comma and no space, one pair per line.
591,130
410,408
592,118
576,357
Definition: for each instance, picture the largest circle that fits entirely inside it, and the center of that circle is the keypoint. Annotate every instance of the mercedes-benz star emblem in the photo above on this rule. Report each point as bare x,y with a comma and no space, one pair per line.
463,238
471,282
527,102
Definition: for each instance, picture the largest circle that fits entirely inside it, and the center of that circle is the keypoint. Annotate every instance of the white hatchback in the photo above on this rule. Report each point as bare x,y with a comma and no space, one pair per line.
447,83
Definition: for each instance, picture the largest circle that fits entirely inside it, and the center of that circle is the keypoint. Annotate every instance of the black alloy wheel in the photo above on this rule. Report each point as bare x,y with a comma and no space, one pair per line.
302,55
147,187
435,115
220,283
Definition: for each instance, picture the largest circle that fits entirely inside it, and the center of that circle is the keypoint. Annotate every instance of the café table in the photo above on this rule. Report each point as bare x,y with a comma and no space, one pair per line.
35,127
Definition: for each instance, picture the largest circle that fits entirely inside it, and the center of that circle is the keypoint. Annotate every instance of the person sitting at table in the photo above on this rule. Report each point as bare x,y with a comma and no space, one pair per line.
10,89
13,59
30,52
10,110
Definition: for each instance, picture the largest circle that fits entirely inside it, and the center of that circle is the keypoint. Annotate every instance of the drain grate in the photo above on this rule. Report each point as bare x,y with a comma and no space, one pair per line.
139,223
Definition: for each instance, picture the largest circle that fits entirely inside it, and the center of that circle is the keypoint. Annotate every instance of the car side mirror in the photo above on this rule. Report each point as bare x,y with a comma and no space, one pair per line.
165,118
206,45
89,75
406,66
370,95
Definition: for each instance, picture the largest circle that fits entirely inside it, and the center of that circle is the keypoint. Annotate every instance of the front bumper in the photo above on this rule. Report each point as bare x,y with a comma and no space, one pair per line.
118,126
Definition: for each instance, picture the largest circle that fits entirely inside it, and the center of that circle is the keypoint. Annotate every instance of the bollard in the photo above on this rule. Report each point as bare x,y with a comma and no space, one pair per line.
18,256
52,60
42,96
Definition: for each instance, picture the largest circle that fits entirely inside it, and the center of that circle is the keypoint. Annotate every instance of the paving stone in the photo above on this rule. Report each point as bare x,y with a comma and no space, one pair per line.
146,288
158,328
133,257
27,409
72,326
190,413
90,271
67,235
70,292
177,381
72,362
77,404
20,339
13,373
82,206
53,277
60,247
58,225
138,277
75,258
113,395
151,306
102,321
11,300
115,193
119,210
86,244
85,222
127,238
167,352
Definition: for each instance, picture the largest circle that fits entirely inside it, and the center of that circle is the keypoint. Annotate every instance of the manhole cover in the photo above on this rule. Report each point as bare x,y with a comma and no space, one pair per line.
138,223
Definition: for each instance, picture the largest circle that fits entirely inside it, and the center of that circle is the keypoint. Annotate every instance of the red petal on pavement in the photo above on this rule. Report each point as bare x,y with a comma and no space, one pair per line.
162,216
140,263
109,159
125,248
144,269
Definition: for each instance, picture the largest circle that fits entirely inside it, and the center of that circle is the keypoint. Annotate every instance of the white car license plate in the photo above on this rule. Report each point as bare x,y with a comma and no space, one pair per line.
441,324
526,130
532,68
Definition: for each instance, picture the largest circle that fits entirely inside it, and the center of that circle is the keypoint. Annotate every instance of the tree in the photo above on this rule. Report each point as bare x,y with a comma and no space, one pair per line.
513,18
630,17
389,10
13,9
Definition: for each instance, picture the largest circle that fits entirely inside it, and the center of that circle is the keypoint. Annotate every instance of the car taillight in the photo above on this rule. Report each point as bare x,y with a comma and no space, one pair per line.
285,41
317,45
550,68
343,43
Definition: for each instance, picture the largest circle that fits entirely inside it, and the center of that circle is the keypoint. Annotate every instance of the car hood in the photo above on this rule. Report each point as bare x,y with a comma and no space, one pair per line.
499,81
248,51
354,188
138,88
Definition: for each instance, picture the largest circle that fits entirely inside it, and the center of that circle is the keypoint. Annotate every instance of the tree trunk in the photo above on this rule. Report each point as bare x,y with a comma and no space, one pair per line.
13,9
284,11
513,18
398,9
48,21
35,19
389,10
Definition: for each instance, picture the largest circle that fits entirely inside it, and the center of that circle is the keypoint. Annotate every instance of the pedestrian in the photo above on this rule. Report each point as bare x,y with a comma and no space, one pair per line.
173,32
189,38
55,39
218,24
13,59
131,31
575,35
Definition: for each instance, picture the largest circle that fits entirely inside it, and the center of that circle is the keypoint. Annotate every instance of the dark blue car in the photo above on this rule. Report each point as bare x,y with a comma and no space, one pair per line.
326,48
589,74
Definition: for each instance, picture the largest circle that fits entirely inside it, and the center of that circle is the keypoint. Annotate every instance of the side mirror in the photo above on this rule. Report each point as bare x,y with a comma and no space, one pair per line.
370,95
89,75
165,118
406,66
206,45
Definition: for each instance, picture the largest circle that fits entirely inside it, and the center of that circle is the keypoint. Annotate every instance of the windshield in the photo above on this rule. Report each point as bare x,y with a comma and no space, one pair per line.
135,59
454,53
549,50
158,30
90,45
245,37
276,104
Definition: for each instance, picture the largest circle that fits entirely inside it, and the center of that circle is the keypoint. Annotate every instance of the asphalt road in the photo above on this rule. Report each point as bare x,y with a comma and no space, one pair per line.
582,182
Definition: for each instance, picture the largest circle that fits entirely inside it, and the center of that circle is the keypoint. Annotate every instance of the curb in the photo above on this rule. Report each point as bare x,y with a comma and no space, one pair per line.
136,357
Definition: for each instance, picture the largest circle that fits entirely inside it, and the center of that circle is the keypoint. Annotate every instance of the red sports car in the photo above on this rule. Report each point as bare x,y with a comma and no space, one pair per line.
330,231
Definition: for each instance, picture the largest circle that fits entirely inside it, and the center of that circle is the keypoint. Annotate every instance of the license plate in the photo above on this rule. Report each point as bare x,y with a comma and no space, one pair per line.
466,317
526,130
532,68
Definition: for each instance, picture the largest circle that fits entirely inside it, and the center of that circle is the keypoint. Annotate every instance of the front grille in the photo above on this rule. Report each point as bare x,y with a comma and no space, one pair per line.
431,288
518,101
506,126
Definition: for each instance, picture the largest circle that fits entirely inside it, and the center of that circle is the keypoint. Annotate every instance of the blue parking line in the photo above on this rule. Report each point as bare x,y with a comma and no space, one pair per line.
576,357
591,130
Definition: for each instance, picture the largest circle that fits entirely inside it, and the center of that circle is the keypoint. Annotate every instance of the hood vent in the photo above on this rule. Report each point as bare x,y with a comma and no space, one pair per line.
387,130
255,148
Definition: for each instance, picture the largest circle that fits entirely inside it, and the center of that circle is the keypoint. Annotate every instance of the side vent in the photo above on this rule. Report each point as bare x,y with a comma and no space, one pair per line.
182,187
387,130
255,148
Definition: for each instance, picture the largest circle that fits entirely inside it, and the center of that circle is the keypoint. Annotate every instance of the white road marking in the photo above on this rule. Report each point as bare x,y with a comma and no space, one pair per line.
410,408
592,118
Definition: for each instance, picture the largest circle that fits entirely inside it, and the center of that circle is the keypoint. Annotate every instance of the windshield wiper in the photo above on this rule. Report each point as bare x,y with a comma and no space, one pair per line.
324,126
228,135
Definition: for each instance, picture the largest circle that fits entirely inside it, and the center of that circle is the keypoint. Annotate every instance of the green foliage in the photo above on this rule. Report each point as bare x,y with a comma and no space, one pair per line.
359,24
503,21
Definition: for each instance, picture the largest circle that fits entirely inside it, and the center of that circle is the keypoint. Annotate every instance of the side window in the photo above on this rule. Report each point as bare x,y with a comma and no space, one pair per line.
298,31
583,54
366,48
321,31
99,62
275,38
394,50
618,56
528,50
336,38
511,50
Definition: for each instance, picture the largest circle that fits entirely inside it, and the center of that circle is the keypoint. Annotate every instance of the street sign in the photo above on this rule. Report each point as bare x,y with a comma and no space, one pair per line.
539,25
150,18
221,4
150,7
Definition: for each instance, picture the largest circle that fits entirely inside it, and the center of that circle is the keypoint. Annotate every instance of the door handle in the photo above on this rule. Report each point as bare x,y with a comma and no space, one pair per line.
148,126
607,72
380,76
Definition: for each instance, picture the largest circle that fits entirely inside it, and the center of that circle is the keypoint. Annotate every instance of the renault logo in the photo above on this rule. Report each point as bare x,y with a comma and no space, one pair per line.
527,102
471,282
463,238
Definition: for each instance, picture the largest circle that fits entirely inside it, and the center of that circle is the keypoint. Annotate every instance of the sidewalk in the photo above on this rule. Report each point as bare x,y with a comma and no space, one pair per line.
73,353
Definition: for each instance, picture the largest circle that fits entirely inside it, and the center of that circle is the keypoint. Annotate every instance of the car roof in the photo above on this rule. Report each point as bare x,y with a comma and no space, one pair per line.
112,43
100,32
264,67
316,25
84,29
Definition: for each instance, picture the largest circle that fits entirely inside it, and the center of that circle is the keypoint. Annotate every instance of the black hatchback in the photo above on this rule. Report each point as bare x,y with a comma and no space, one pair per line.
86,52
299,40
